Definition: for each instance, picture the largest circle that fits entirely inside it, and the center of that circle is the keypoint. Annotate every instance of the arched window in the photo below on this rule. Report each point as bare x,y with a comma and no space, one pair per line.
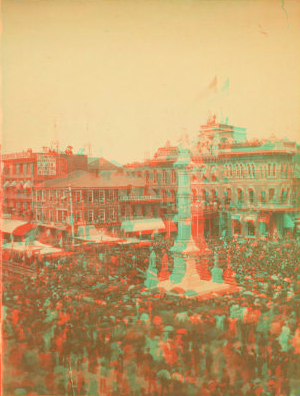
265,172
155,177
253,171
241,171
147,177
263,197
282,171
237,171
173,176
226,173
248,171
251,196
261,173
269,170
240,194
274,170
164,177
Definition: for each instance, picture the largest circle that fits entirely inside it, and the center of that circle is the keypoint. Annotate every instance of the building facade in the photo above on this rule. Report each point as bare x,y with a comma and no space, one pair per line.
238,187
89,199
23,171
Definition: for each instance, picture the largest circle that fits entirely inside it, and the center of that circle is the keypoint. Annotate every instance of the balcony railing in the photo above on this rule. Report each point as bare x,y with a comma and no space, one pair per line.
133,198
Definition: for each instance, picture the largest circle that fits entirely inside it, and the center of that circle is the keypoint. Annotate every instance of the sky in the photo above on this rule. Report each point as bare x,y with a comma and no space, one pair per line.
125,77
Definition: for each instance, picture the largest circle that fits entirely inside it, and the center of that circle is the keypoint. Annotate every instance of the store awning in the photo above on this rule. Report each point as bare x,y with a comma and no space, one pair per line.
170,226
6,184
143,225
21,230
250,219
12,184
19,184
287,221
9,226
236,217
27,184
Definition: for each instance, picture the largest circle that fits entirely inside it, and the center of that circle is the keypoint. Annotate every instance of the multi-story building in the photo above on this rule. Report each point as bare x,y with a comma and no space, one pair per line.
249,188
160,176
23,171
117,202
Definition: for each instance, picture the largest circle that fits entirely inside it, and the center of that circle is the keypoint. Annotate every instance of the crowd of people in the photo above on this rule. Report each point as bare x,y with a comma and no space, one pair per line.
88,326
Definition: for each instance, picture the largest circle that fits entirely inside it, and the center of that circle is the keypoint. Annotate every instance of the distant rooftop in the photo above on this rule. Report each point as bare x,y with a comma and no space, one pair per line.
83,179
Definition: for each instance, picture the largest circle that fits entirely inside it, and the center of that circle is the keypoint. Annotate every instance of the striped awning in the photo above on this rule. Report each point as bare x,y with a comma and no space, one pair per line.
9,226
6,184
143,225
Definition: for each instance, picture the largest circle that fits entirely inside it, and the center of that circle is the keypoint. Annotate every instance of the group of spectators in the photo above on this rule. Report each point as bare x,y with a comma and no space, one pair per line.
88,326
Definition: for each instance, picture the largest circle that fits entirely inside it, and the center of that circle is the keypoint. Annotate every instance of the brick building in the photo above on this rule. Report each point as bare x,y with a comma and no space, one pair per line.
111,200
23,171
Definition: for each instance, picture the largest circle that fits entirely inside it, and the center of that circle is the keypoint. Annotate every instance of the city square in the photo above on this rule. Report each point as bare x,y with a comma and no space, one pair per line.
150,206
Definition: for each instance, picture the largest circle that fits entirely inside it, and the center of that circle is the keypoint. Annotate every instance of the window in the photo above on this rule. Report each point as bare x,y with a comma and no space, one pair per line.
263,197
250,229
51,216
77,197
261,173
286,172
64,216
39,215
57,195
237,171
90,216
112,195
90,196
269,170
147,177
164,177
284,195
155,177
241,171
265,172
78,217
274,170
25,169
249,170
102,216
144,211
226,173
50,196
251,197
101,197
253,171
25,205
240,196
173,175
43,195
39,195
18,169
271,194
113,214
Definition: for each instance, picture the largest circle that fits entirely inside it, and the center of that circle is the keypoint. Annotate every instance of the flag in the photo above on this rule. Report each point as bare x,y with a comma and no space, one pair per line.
211,88
213,84
225,87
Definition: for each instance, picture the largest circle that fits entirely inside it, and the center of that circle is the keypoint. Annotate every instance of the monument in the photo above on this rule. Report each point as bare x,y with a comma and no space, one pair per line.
185,251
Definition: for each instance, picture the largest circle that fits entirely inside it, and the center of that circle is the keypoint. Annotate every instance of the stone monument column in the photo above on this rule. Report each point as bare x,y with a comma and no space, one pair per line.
184,250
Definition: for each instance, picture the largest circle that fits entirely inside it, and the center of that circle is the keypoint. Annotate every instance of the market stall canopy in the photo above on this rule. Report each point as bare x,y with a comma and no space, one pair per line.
6,184
143,225
27,184
35,247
